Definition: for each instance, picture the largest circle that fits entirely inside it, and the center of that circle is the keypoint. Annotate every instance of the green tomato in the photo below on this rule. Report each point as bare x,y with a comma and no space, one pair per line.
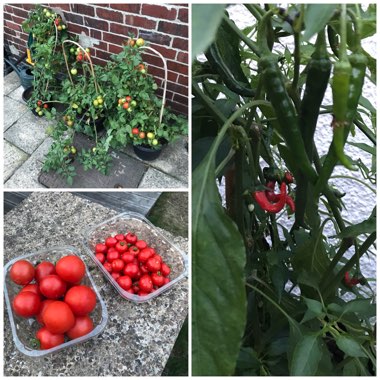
154,86
40,113
48,14
129,110
74,105
150,135
140,42
72,50
73,150
133,103
38,109
47,65
95,103
63,26
155,142
143,71
74,71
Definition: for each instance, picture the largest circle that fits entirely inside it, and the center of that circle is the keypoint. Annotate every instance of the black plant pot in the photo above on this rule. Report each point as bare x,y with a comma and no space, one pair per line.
99,123
26,95
146,153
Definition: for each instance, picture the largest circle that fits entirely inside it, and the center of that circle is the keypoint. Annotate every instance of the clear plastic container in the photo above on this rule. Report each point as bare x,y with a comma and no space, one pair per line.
24,329
136,223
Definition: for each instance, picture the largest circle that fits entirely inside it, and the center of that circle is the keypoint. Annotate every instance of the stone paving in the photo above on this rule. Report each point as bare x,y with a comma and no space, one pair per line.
26,143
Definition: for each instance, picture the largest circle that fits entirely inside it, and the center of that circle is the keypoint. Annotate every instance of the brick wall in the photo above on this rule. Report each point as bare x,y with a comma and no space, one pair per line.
164,26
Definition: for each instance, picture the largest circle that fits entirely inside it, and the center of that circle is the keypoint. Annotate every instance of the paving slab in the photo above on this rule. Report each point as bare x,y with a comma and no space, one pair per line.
11,82
40,153
154,179
26,176
13,111
138,338
125,172
17,94
28,132
13,159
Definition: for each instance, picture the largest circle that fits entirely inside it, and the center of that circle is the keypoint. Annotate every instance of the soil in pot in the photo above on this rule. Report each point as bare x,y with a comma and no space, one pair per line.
146,153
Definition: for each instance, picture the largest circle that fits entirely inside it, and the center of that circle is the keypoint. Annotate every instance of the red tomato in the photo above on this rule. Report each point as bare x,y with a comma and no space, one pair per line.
134,250
131,270
126,105
34,288
141,244
119,237
135,131
26,304
135,288
121,246
49,340
43,269
130,237
145,283
58,317
107,266
157,279
101,257
112,255
127,257
144,269
111,242
158,257
166,280
22,272
53,286
165,270
71,269
83,325
153,264
44,305
115,275
81,299
117,265
128,98
144,255
142,293
100,248
124,282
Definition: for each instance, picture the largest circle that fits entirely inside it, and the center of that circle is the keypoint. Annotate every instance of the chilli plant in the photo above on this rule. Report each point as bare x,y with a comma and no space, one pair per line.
277,281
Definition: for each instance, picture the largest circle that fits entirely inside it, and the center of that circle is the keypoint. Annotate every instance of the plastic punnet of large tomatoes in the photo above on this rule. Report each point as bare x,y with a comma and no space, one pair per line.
135,266
54,296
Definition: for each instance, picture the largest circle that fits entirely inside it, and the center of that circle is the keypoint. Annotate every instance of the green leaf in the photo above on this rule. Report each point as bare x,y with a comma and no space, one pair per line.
247,361
350,346
364,308
206,19
314,309
218,290
367,148
366,227
316,17
306,356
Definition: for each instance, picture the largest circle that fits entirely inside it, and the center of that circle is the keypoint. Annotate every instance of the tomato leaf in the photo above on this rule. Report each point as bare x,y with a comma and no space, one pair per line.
218,290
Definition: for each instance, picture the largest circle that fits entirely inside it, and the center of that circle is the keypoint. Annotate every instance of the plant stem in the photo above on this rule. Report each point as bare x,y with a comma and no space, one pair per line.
297,61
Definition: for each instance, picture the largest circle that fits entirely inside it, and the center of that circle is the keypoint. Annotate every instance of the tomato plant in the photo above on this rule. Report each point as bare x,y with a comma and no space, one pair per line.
277,275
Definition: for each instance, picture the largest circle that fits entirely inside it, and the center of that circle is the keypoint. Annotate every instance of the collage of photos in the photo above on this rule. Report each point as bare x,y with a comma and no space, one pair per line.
189,189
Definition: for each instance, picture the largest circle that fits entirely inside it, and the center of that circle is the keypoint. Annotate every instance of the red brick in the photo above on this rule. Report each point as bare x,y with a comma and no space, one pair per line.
159,72
9,31
109,15
96,34
180,99
180,43
178,67
77,29
118,40
166,52
85,10
140,21
20,12
8,8
28,7
184,80
175,87
180,108
152,36
101,46
103,55
96,23
115,49
172,28
18,20
8,16
130,8
152,60
183,15
183,57
73,18
98,61
12,25
122,29
65,7
159,11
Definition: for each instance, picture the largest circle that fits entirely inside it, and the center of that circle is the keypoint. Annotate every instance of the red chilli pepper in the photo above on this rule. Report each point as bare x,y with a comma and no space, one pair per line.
273,197
265,204
350,282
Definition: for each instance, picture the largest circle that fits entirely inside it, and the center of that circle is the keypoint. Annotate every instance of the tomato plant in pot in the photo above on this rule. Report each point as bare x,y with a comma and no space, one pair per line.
46,30
280,287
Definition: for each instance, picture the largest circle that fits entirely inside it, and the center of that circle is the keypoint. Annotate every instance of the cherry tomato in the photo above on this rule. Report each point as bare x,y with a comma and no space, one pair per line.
128,98
157,279
115,275
145,283
124,282
26,304
101,257
166,280
144,255
141,244
112,255
131,270
144,269
117,265
43,269
111,242
83,325
34,288
158,257
81,299
49,340
22,272
165,270
134,250
44,305
126,105
71,269
121,246
131,238
135,131
153,264
100,248
107,266
58,317
127,257
52,286
119,237
142,135
46,106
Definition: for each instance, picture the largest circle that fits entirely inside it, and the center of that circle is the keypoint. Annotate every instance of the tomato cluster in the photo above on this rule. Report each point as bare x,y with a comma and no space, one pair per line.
135,266
127,103
41,108
53,294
